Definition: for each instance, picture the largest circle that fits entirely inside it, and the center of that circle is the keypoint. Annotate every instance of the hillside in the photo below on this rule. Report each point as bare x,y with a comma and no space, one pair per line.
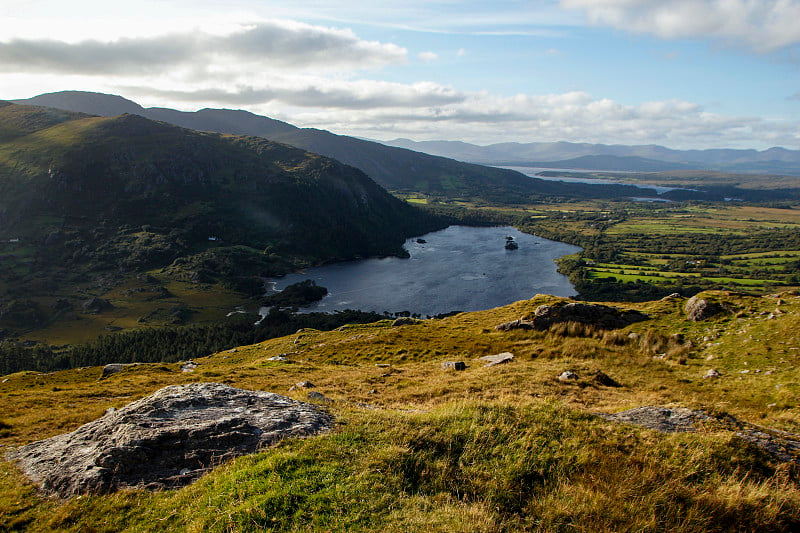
81,196
504,448
396,169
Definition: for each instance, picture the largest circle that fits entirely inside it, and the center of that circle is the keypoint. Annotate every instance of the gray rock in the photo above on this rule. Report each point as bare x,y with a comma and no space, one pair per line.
302,385
189,366
315,396
698,309
148,443
404,321
601,316
454,365
781,445
116,368
660,418
568,376
712,374
498,359
673,296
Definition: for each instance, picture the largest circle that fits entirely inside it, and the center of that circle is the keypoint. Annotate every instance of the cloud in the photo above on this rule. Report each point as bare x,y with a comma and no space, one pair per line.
277,44
762,25
427,57
484,118
316,93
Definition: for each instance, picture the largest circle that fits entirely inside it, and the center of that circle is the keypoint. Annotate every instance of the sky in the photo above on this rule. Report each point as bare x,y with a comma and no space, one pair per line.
686,74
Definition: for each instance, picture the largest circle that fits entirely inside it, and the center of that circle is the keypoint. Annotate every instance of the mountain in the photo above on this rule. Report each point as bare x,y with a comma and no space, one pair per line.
84,195
397,169
129,170
773,160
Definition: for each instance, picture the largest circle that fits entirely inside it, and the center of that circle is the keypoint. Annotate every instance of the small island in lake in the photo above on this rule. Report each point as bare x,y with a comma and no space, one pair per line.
511,244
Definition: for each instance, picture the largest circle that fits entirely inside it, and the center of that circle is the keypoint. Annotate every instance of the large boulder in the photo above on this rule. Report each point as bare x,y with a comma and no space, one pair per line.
601,316
165,440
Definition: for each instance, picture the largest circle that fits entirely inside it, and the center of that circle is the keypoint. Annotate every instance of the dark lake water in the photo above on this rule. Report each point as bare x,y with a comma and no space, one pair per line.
458,269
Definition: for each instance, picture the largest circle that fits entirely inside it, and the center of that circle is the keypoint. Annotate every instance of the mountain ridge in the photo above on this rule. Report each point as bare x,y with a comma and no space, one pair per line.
397,169
775,159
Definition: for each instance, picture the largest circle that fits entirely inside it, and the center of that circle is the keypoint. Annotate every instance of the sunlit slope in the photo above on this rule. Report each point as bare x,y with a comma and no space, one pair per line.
505,448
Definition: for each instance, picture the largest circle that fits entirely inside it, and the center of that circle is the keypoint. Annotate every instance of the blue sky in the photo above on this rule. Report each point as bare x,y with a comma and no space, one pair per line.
680,73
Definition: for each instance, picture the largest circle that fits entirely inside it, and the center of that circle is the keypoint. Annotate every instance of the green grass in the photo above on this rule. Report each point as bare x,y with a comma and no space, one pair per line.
507,448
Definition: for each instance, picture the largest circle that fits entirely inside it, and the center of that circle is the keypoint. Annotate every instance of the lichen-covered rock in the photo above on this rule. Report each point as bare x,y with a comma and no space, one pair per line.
165,440
601,316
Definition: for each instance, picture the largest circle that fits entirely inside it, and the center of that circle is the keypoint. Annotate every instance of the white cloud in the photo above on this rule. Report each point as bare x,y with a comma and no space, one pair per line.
311,92
484,118
266,44
428,57
763,25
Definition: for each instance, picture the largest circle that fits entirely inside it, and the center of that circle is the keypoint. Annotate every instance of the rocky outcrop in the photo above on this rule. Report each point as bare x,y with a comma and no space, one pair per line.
115,368
699,309
166,440
498,359
782,446
660,418
602,316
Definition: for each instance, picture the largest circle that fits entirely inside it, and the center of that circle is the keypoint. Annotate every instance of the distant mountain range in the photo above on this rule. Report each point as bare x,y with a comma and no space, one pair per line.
395,168
641,158
458,170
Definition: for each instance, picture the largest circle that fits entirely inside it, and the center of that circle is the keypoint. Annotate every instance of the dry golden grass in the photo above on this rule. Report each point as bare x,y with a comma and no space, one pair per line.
524,451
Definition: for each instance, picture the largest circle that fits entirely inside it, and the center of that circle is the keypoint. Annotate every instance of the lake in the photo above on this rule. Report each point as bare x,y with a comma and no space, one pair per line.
457,269
535,172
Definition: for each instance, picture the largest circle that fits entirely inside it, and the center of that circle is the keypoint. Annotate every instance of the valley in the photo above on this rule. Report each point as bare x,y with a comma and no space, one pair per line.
126,240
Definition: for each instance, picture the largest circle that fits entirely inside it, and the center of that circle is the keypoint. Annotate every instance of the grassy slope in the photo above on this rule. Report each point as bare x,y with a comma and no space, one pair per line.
498,449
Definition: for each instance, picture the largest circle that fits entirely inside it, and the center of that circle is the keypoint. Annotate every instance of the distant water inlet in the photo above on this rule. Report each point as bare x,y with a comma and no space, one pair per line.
456,269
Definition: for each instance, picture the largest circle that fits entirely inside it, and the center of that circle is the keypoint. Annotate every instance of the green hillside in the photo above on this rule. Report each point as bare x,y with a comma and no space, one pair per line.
81,196
396,169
